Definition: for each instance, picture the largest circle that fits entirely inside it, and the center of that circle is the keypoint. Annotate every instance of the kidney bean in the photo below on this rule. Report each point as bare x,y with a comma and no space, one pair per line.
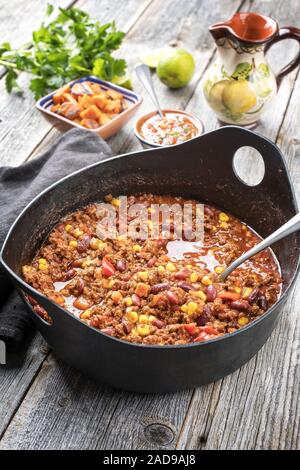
185,286
159,287
121,265
182,275
83,244
172,297
241,305
262,302
127,327
205,316
69,274
78,288
61,227
136,300
151,262
211,293
77,263
208,211
158,323
254,294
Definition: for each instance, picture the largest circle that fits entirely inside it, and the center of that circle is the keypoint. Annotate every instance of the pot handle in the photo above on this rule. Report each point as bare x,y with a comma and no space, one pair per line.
287,32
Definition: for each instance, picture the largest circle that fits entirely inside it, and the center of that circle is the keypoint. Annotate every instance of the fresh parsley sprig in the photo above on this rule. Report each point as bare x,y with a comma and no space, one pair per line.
70,46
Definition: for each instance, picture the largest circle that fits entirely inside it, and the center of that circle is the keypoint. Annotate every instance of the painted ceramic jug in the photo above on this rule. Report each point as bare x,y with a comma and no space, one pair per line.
240,84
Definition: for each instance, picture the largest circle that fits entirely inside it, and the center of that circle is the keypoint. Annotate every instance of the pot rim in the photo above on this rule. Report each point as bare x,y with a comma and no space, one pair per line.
226,336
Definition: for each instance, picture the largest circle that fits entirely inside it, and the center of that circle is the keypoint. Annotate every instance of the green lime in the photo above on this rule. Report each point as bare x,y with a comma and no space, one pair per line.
123,81
152,58
176,68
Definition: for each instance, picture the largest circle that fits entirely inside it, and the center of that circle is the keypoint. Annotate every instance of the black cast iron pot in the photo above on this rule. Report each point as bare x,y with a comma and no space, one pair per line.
202,169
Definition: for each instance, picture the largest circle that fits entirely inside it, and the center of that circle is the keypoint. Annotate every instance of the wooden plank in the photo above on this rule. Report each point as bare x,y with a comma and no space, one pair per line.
66,411
17,375
23,17
22,125
154,421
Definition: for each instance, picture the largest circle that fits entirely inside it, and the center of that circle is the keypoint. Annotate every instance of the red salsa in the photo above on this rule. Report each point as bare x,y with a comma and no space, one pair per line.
173,128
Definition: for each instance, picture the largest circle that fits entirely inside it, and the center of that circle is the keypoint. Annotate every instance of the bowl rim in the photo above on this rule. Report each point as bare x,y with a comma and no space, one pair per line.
144,117
135,98
20,281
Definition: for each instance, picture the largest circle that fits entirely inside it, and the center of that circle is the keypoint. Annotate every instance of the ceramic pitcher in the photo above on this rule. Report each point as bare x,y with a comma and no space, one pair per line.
240,85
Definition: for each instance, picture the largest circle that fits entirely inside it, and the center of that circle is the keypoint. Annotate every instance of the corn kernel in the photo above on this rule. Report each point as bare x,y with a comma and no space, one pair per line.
143,319
43,264
132,316
189,266
214,228
237,290
244,227
201,295
111,283
183,308
136,248
246,292
206,281
219,269
115,202
191,308
224,225
223,217
161,269
243,321
26,269
116,296
143,275
68,228
128,301
97,244
85,315
143,330
171,267
77,233
73,243
194,277
43,267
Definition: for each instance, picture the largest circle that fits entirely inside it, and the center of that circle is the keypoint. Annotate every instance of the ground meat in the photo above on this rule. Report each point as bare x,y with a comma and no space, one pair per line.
157,290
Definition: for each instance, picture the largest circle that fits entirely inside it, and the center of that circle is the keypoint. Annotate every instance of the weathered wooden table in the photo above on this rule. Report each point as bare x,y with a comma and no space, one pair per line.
44,404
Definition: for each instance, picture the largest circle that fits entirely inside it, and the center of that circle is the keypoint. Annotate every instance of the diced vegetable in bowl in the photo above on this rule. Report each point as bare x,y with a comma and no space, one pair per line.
93,104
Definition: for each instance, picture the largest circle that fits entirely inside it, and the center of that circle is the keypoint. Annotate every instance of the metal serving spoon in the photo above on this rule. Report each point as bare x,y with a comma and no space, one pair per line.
289,227
144,74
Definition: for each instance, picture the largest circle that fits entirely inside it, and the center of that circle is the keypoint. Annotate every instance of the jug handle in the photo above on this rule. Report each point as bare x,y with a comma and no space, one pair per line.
287,32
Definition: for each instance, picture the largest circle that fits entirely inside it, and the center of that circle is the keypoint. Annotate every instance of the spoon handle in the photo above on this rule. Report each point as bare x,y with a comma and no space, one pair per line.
143,73
289,227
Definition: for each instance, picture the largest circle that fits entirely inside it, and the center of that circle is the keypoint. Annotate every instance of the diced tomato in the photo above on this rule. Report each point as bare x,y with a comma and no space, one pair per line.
205,333
108,268
226,295
191,328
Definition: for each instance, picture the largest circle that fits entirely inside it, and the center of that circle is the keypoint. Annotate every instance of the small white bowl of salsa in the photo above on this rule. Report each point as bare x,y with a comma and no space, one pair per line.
176,127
